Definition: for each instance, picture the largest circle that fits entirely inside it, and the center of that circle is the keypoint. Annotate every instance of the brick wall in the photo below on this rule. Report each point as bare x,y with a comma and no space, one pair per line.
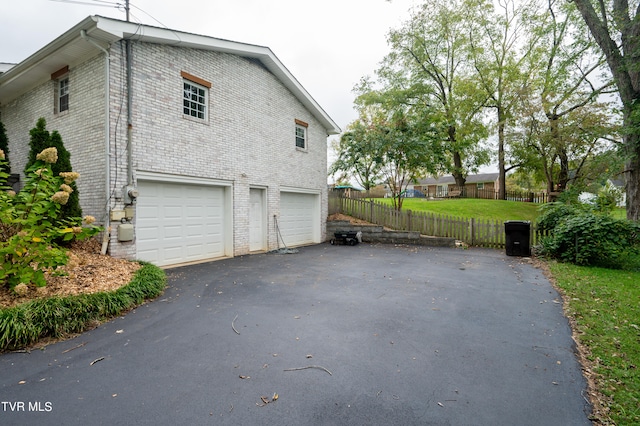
247,139
81,128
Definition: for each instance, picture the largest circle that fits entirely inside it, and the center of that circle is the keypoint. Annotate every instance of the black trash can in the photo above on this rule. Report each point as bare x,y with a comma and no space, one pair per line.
517,237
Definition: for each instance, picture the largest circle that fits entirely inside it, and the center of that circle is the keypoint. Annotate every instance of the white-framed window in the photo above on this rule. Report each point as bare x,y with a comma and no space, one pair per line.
480,185
195,96
63,94
61,90
195,100
301,134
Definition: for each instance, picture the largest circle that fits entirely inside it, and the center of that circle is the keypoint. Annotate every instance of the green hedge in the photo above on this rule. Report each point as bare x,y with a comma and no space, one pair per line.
25,324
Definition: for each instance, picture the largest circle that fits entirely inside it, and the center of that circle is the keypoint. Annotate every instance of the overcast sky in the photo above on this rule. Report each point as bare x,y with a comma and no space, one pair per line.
328,45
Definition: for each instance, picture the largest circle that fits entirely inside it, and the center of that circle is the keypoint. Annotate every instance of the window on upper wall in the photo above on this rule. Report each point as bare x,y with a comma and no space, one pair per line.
480,185
195,96
61,90
63,94
301,134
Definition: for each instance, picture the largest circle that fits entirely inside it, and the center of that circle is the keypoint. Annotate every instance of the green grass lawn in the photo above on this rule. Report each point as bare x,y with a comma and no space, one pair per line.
605,305
470,207
619,213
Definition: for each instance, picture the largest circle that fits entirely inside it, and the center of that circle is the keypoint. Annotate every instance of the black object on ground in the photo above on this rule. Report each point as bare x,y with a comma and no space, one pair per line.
517,234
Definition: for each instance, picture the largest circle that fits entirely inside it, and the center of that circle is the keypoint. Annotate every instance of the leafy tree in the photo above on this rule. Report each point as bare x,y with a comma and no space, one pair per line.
615,26
406,151
429,67
355,155
500,60
570,85
562,118
5,167
392,140
42,139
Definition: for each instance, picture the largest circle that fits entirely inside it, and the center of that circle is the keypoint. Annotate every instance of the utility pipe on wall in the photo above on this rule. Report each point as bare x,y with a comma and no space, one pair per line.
107,133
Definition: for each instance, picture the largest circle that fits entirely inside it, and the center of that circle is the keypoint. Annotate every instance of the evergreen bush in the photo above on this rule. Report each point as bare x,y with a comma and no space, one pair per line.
4,146
42,139
31,227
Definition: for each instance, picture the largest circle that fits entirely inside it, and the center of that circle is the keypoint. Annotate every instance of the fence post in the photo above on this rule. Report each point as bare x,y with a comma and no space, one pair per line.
409,220
371,217
472,230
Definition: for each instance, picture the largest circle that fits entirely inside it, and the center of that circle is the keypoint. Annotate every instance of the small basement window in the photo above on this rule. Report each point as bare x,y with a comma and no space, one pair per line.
301,134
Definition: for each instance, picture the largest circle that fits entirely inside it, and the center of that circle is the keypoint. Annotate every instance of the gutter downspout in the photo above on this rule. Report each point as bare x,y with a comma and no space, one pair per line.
107,76
129,113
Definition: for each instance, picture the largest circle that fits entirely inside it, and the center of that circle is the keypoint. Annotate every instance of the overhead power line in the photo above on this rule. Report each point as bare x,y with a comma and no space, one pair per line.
100,3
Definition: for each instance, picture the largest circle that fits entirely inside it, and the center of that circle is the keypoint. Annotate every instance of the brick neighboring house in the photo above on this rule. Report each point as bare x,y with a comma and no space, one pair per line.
483,185
226,150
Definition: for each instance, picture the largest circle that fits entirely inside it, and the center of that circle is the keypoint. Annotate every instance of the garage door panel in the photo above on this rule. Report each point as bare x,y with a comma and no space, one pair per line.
298,217
172,232
179,223
173,212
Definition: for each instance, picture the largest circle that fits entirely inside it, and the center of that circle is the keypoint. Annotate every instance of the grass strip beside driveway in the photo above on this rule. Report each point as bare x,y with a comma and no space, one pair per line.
604,305
25,324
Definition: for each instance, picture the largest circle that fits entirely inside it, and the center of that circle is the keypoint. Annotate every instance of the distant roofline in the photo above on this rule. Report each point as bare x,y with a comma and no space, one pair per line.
449,179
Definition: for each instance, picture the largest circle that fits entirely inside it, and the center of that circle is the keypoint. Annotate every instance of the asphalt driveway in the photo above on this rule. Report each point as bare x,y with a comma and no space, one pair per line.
391,336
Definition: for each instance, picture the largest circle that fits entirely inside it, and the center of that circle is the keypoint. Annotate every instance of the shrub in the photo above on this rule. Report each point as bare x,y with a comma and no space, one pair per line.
24,324
554,213
588,238
40,140
4,147
30,225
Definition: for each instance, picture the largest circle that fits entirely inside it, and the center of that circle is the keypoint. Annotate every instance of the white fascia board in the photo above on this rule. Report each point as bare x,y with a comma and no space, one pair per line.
38,67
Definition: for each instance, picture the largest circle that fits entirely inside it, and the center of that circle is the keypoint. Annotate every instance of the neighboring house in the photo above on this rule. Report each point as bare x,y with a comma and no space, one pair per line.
226,153
620,184
482,185
345,190
588,197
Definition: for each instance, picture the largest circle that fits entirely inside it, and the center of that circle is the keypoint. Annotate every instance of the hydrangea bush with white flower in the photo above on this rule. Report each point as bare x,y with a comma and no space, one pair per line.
31,227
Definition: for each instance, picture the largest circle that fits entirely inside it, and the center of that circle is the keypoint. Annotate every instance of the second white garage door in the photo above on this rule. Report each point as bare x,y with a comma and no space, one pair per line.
299,218
179,223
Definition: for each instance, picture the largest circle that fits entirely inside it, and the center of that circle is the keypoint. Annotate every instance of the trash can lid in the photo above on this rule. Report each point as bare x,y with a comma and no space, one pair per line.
519,222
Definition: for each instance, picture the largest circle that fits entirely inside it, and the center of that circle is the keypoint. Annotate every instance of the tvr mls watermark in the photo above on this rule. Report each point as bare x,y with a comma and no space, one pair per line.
26,406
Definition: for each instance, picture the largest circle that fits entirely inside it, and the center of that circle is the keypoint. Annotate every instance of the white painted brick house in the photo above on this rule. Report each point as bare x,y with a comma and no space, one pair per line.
224,149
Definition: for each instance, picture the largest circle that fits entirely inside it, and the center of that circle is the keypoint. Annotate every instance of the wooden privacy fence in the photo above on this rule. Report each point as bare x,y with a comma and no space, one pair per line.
475,232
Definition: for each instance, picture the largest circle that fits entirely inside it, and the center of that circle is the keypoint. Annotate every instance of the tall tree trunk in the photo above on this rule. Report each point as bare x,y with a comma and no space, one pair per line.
563,175
548,172
457,173
624,62
502,184
632,169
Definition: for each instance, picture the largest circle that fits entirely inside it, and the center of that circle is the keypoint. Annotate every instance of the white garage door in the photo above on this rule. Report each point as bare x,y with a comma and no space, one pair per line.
179,223
299,218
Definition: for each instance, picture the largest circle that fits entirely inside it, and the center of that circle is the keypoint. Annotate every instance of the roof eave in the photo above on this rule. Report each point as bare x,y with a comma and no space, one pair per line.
109,30
196,41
